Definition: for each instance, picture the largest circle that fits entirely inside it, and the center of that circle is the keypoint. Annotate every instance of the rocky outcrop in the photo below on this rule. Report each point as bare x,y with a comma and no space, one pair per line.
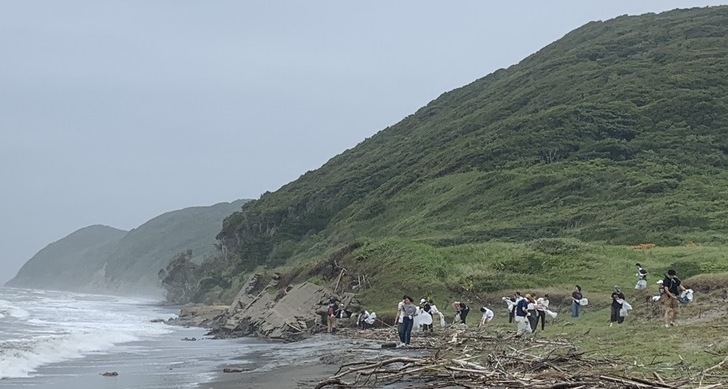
289,314
199,315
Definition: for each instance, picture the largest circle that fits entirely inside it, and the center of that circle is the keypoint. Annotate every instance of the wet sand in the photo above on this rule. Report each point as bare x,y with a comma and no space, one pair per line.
285,377
296,365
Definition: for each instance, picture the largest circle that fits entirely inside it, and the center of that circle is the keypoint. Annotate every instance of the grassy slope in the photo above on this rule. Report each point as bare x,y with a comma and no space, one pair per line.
138,257
534,178
612,134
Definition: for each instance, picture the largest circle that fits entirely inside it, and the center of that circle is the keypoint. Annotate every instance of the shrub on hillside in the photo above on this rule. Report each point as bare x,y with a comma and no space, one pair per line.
686,269
706,282
556,246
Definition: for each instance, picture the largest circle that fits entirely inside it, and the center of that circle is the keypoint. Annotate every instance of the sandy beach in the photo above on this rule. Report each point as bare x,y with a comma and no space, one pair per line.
285,377
299,364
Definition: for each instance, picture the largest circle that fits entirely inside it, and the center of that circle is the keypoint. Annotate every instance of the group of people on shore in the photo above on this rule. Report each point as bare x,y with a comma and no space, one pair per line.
527,311
671,293
410,316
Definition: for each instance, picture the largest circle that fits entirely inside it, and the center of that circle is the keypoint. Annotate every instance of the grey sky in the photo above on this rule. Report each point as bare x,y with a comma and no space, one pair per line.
113,112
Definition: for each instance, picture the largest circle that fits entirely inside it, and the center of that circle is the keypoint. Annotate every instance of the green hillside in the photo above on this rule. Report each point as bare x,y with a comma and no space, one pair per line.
72,261
134,264
614,135
103,259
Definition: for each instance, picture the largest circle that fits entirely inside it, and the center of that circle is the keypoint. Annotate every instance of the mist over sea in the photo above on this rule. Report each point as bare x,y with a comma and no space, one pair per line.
51,339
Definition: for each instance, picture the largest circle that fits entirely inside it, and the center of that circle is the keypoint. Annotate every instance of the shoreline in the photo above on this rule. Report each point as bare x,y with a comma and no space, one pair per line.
301,364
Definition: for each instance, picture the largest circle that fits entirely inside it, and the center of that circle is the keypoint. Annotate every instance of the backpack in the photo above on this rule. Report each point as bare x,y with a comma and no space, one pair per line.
332,309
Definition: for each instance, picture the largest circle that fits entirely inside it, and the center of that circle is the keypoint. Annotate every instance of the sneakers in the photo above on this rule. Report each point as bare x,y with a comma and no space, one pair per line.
611,324
667,326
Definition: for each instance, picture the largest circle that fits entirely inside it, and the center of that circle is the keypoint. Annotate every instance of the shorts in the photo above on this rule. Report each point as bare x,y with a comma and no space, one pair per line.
669,302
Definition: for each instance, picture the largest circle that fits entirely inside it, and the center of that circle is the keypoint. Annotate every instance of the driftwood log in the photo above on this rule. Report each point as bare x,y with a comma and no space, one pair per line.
459,358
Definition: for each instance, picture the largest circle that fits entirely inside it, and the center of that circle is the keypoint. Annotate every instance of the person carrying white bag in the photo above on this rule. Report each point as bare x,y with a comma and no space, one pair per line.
626,307
434,310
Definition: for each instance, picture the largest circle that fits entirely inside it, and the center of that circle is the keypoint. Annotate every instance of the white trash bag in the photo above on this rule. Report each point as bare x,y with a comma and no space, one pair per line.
584,302
626,307
551,314
686,296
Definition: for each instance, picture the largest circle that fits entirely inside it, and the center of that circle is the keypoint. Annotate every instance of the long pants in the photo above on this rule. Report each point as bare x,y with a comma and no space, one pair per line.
406,333
542,317
615,315
463,315
532,320
574,309
510,316
522,325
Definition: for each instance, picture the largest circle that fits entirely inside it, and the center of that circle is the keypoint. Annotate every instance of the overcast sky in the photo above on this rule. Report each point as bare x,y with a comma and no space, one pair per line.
114,112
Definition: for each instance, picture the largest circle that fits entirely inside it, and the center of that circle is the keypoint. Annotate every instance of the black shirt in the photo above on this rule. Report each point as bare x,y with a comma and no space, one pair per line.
671,284
643,274
576,296
616,296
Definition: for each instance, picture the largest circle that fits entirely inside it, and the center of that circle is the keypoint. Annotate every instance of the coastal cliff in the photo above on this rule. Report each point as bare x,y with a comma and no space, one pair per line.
263,309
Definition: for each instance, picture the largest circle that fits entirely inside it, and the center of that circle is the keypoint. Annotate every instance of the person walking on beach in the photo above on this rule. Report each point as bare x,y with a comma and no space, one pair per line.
434,311
399,319
425,307
542,304
641,277
331,311
522,324
409,310
511,302
532,314
617,299
671,287
576,297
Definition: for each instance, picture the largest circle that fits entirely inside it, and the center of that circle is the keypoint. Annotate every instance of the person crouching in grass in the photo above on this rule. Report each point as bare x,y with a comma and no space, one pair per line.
488,315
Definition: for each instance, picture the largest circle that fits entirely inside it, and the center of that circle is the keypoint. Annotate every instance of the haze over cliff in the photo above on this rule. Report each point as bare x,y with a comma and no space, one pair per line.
105,259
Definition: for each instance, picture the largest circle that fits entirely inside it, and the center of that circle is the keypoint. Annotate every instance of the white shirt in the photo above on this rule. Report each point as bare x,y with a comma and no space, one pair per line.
400,310
542,304
488,314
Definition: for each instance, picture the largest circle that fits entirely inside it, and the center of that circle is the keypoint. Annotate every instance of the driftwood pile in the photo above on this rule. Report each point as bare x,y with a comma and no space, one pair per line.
460,358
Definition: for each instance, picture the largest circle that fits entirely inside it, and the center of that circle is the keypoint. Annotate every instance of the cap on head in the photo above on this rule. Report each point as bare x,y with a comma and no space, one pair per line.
423,301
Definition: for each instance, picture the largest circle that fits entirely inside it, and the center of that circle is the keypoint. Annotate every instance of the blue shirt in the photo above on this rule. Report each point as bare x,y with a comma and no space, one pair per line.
522,308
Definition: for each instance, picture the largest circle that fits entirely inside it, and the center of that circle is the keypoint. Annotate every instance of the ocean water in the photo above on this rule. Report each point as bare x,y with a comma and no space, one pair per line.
60,340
